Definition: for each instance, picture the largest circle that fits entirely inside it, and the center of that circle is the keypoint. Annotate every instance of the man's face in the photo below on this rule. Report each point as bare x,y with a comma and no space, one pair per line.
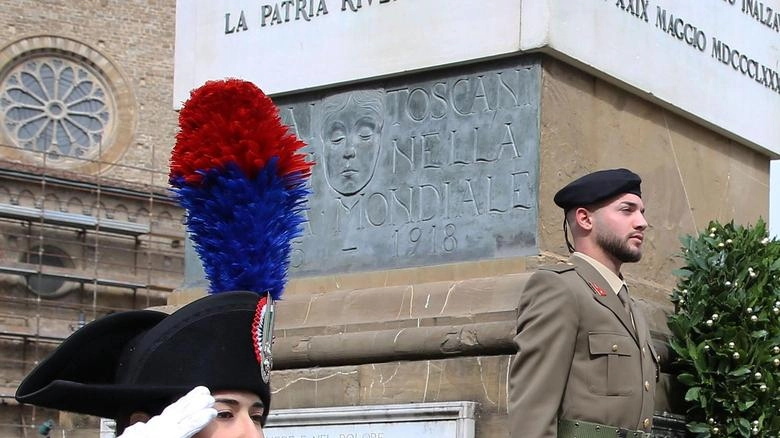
619,228
238,416
351,145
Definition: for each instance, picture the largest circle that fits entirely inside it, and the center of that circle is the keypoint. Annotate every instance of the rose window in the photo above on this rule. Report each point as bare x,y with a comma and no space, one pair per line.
56,107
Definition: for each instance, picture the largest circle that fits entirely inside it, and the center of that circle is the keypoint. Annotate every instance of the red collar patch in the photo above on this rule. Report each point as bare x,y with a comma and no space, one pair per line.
597,289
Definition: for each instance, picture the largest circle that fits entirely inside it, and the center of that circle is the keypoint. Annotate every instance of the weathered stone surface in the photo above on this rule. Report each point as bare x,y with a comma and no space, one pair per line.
403,277
480,379
378,307
408,167
477,379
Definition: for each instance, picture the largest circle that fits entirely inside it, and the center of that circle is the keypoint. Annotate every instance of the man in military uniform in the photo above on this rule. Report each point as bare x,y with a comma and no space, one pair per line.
585,366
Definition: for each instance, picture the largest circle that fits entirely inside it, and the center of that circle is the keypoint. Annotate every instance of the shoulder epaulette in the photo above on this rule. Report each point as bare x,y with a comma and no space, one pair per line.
559,268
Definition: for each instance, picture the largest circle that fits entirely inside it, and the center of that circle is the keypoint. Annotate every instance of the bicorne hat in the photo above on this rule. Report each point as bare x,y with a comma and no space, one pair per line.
143,360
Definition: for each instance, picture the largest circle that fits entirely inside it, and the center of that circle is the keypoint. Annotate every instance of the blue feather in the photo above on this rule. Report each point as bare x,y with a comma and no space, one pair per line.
243,228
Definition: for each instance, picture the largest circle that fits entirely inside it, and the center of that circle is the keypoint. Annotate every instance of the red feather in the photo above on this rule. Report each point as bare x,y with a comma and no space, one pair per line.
233,121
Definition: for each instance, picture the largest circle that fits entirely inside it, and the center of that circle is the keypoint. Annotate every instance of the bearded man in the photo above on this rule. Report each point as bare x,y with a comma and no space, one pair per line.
585,366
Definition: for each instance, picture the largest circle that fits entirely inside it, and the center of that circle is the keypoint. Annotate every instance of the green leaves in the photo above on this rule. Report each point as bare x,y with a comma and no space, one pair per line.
740,372
684,273
745,405
698,428
726,330
743,426
759,334
687,379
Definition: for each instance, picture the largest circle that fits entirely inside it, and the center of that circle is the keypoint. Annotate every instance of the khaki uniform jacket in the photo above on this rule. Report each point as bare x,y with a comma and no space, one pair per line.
578,355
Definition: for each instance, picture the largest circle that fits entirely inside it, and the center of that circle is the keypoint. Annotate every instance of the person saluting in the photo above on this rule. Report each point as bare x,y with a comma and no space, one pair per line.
203,370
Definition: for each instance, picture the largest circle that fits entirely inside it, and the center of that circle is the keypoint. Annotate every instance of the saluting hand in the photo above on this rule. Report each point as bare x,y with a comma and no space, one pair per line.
182,419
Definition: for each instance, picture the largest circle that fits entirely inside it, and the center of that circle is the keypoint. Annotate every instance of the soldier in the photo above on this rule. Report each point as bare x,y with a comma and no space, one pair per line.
130,366
585,366
242,179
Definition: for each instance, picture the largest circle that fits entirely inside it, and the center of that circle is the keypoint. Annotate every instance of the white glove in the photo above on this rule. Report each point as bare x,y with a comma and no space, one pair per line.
182,419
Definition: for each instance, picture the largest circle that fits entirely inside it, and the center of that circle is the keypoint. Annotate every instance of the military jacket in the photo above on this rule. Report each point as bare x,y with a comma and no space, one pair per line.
579,356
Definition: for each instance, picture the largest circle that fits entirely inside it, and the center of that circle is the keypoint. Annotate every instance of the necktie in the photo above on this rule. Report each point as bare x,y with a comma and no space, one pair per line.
623,296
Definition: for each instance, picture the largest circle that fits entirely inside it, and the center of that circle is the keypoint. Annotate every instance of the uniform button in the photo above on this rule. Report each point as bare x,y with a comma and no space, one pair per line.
646,423
614,347
644,350
647,385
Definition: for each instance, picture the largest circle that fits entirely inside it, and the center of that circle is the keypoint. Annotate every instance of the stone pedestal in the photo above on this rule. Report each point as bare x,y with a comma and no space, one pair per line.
383,310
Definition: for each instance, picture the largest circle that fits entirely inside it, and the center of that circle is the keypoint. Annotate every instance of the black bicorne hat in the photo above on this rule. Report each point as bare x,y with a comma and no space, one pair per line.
143,360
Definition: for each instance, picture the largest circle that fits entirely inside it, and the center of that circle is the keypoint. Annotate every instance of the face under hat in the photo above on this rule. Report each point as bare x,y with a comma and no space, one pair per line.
596,187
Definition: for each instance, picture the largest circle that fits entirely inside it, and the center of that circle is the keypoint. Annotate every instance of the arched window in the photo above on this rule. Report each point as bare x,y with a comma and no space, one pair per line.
47,255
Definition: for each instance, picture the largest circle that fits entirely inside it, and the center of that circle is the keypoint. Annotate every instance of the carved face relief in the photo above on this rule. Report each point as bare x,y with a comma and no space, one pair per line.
351,138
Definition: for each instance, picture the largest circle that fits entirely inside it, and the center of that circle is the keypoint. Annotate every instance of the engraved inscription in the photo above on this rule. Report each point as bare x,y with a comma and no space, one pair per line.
433,169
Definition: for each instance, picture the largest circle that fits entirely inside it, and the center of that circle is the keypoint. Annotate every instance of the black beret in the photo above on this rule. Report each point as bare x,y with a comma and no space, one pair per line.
597,186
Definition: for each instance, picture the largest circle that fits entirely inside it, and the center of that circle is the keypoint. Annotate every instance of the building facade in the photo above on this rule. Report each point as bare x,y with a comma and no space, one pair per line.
87,226
404,287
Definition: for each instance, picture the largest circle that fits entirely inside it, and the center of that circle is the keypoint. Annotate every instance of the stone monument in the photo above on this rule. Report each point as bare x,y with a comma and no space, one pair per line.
441,130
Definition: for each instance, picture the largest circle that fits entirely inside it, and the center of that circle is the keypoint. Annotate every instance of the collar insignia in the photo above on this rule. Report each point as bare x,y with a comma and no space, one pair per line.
597,289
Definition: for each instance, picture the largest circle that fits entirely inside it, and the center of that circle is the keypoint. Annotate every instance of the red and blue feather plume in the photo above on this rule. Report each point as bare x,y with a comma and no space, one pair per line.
242,178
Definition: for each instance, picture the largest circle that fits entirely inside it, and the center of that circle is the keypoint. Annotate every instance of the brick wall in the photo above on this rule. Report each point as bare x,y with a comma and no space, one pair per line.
132,41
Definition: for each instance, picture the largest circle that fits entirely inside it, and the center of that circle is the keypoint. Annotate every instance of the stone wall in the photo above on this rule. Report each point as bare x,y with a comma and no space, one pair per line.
443,333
